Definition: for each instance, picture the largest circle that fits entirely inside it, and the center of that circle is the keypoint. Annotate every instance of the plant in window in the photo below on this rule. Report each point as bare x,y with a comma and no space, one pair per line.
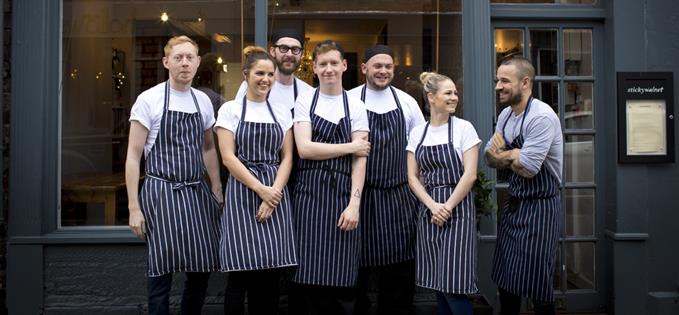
483,196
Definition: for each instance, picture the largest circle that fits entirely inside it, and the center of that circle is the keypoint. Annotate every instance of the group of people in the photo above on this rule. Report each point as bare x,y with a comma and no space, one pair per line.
329,188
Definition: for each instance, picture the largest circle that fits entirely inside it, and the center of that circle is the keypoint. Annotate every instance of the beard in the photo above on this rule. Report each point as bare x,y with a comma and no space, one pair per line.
284,66
513,99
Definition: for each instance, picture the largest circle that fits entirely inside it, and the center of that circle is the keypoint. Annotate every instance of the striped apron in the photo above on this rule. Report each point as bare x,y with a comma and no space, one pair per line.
388,207
529,231
182,215
246,244
328,256
445,256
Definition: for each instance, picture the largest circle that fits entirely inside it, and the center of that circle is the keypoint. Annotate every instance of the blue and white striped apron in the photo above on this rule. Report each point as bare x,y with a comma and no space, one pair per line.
246,244
388,208
529,231
182,215
328,256
445,256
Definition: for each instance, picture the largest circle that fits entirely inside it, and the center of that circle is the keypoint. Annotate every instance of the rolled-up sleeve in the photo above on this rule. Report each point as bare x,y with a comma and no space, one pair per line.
538,139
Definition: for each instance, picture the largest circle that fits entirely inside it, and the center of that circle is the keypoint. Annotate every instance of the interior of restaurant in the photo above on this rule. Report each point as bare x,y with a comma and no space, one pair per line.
112,51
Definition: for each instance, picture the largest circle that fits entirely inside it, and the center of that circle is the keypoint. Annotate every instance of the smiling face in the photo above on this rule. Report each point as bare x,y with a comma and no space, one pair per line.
260,79
378,71
329,66
182,63
287,62
509,85
445,100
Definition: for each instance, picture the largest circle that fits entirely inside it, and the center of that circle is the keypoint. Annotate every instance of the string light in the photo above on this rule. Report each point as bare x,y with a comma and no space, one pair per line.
164,17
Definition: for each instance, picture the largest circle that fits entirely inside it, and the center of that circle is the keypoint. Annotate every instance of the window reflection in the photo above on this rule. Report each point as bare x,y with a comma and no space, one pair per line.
579,212
579,158
543,52
112,51
580,266
579,106
577,52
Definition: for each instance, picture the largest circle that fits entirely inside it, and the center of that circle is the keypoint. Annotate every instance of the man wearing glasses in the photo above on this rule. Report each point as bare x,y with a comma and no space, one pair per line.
286,48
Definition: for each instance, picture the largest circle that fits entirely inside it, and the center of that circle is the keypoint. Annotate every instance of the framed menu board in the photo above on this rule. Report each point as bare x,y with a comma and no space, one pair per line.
645,117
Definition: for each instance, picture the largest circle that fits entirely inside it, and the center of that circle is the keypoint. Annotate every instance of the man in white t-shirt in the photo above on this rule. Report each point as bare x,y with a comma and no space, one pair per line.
331,131
388,207
177,209
287,47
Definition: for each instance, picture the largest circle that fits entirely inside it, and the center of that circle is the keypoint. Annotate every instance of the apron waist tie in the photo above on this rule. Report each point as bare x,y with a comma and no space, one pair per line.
176,184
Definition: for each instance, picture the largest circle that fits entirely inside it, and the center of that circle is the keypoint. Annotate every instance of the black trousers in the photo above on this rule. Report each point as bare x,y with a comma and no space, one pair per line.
193,294
395,285
321,300
510,304
261,287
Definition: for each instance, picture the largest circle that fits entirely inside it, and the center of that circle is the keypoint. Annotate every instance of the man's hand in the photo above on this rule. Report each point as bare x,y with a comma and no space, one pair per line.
360,147
137,223
497,142
348,221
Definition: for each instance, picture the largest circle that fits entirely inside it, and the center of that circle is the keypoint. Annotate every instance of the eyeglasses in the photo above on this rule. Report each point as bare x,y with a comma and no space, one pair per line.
284,49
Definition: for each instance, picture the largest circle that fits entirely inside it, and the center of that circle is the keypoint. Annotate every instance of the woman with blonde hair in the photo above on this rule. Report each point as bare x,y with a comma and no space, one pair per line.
442,160
256,143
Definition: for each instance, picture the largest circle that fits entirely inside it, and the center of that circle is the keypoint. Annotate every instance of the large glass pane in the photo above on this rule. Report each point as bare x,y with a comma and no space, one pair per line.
579,106
112,51
577,46
580,266
543,52
547,92
424,39
508,43
579,212
579,158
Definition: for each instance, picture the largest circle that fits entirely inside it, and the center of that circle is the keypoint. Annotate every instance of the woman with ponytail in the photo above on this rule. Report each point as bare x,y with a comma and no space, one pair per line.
442,159
255,142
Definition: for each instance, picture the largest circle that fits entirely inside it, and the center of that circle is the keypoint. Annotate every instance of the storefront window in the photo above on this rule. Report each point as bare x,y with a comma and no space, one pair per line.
426,35
112,51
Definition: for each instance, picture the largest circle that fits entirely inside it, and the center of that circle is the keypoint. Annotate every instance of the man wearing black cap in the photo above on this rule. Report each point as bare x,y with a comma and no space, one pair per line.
388,207
287,46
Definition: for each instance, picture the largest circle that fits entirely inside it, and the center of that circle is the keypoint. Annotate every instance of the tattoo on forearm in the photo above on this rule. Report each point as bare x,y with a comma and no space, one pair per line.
357,194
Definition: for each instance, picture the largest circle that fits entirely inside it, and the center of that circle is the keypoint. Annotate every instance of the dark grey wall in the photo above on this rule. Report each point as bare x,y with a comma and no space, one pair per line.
641,206
108,279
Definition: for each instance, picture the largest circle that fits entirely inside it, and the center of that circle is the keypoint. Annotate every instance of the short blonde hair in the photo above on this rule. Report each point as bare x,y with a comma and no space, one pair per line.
326,46
178,40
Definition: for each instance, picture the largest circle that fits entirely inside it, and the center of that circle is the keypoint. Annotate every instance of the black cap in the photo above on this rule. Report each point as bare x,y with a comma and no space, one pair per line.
287,32
376,50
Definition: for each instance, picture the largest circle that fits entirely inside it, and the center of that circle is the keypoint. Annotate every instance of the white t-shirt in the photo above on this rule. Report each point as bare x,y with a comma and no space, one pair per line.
281,94
148,109
382,101
464,136
229,115
331,108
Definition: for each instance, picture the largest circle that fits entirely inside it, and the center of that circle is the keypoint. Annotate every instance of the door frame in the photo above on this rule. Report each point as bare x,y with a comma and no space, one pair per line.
583,300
